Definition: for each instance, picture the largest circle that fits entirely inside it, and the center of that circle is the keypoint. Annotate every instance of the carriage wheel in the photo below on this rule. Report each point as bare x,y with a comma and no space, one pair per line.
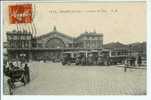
68,62
77,63
10,85
63,63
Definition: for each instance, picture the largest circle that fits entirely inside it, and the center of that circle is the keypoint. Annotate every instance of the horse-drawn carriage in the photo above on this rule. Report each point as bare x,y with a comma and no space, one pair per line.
17,71
16,74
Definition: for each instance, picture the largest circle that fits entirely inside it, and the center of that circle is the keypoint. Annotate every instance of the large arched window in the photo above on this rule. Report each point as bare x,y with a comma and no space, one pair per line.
55,43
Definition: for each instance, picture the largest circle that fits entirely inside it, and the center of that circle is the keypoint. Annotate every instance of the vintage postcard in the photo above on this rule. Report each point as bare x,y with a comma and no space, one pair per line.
74,48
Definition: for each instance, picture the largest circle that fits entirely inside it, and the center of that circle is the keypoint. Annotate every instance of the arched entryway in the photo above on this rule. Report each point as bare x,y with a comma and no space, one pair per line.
55,43
55,47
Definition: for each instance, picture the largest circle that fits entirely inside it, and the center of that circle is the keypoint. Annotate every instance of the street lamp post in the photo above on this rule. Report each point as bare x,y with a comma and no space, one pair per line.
130,55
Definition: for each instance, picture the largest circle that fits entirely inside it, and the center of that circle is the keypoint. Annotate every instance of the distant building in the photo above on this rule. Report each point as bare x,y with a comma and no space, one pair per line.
119,52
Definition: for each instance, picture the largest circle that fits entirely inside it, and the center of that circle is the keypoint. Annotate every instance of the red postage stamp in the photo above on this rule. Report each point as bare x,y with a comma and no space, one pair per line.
20,13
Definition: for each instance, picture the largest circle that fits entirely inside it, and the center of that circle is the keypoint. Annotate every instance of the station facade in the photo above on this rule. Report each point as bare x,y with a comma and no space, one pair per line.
50,46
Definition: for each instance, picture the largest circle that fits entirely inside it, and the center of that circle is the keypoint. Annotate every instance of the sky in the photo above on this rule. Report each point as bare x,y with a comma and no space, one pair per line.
118,22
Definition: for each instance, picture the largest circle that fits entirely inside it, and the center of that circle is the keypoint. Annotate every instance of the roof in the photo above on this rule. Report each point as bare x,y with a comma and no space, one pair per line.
47,34
54,32
114,45
19,32
89,34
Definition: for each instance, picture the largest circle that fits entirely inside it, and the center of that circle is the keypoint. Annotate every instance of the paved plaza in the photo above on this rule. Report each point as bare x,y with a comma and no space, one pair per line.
54,79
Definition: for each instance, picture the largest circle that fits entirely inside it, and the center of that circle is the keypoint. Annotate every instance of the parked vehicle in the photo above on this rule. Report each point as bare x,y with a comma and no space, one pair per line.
91,57
68,58
81,58
87,58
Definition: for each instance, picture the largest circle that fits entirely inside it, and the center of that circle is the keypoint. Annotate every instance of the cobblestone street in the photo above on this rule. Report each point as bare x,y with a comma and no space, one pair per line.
54,79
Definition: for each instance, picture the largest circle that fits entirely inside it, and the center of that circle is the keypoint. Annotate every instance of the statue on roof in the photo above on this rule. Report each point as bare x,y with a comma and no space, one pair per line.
86,31
54,28
94,31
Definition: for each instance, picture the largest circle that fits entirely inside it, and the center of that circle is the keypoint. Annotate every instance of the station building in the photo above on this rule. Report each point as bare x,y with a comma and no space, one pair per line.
50,45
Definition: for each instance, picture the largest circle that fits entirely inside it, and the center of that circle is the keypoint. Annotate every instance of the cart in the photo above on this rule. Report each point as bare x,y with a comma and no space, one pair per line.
16,74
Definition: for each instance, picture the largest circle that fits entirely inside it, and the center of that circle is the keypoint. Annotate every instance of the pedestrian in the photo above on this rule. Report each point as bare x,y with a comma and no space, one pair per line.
131,61
125,68
139,61
134,59
27,72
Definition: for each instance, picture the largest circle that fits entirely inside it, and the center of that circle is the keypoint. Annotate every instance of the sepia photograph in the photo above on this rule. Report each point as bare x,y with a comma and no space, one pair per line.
74,48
